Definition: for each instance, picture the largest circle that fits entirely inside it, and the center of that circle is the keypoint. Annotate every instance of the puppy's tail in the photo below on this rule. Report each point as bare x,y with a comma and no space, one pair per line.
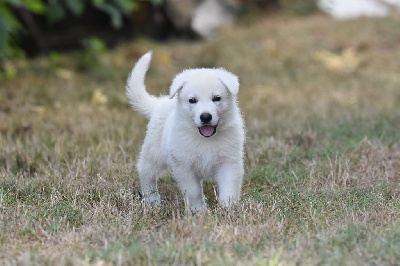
139,98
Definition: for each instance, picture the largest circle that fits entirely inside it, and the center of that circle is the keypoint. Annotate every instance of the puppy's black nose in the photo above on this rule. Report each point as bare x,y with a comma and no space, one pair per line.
205,117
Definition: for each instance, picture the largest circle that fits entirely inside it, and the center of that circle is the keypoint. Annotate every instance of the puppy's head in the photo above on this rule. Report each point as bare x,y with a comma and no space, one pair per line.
205,95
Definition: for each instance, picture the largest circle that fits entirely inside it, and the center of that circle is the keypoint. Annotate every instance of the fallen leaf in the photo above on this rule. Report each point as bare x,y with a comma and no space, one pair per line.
99,98
64,73
22,130
162,57
38,109
17,131
347,61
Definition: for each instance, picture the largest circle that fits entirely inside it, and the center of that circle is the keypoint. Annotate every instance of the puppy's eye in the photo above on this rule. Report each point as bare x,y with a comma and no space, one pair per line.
216,98
192,100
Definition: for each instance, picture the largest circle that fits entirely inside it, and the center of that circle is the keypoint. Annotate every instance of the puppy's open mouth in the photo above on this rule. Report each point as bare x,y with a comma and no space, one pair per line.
207,131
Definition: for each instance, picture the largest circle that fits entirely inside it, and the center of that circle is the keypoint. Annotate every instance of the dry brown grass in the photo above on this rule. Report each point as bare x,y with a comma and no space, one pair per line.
322,153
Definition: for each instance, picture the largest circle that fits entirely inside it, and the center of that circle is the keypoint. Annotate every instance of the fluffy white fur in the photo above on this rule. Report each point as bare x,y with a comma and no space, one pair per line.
197,132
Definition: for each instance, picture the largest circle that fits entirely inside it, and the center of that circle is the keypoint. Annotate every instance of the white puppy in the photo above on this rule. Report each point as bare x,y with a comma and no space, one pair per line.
197,132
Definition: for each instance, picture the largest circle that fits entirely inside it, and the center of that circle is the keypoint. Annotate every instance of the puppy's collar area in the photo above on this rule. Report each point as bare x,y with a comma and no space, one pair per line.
207,131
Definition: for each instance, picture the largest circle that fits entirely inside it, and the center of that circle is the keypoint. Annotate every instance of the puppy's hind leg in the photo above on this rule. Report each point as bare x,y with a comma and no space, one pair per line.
148,174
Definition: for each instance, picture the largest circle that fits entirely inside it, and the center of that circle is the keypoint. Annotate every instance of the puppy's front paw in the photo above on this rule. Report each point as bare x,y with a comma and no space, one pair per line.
197,209
153,199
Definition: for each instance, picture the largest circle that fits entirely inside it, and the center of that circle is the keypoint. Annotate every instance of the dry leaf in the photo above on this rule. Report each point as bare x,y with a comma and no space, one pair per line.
64,73
162,57
347,61
99,98
38,109
17,131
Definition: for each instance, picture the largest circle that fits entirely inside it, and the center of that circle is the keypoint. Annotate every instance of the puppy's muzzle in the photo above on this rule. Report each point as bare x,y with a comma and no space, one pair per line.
207,130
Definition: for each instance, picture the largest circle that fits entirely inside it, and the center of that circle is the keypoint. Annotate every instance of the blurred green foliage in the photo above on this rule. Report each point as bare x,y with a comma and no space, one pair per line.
9,24
301,7
57,10
54,11
91,54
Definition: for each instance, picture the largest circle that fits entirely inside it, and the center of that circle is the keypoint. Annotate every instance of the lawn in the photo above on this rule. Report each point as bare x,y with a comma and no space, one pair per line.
321,100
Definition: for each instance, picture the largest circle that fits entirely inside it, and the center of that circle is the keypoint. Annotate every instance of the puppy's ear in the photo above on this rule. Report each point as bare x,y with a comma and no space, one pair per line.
177,84
230,80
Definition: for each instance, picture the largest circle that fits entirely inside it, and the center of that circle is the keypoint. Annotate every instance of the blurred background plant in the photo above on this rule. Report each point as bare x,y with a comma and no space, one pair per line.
301,7
31,27
10,25
92,53
27,17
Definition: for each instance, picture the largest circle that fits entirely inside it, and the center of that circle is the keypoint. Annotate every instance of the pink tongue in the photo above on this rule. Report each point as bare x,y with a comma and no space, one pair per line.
207,131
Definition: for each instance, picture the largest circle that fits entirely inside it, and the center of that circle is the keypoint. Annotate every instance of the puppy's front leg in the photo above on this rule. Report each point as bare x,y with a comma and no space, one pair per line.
229,179
191,187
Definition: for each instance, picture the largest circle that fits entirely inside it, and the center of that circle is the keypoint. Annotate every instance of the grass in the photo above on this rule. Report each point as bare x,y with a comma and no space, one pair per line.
322,182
